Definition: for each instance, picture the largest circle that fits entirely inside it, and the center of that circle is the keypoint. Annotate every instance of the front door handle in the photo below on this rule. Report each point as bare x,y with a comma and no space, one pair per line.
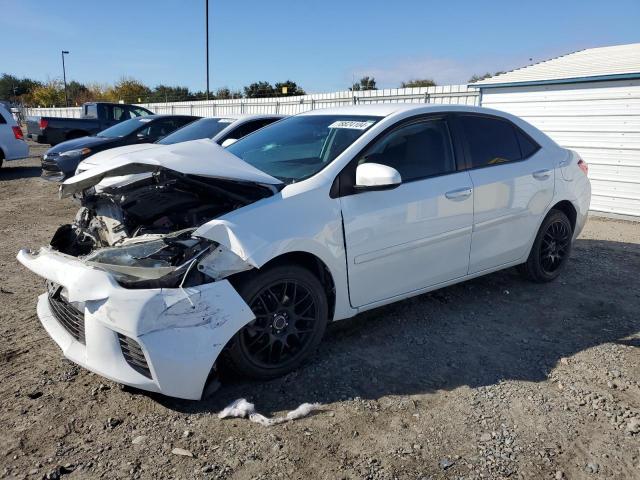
459,194
541,174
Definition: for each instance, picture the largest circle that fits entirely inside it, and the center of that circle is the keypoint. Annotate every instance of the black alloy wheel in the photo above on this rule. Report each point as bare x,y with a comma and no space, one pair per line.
291,310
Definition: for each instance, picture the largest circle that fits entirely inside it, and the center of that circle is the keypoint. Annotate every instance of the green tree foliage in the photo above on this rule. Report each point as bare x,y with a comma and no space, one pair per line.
225,94
13,88
129,90
292,88
164,93
50,94
365,83
259,89
423,82
477,78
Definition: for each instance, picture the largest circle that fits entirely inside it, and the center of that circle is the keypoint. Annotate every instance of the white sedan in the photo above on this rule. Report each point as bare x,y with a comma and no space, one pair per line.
239,257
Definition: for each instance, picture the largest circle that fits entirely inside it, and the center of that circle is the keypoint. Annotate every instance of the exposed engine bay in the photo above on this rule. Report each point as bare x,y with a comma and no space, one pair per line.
140,229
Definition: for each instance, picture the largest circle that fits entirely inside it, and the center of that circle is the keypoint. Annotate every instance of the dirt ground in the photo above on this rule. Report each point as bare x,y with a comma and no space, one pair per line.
492,378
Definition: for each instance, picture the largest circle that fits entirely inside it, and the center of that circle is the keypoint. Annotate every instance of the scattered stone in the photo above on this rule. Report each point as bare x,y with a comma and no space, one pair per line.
485,437
445,464
186,434
633,426
564,361
559,475
34,395
592,467
207,469
182,452
139,439
112,423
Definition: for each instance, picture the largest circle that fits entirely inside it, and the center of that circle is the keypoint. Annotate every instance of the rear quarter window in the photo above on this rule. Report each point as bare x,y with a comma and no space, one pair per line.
490,141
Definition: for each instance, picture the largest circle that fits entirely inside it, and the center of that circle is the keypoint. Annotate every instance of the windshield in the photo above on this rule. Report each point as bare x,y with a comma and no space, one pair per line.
203,128
298,147
124,128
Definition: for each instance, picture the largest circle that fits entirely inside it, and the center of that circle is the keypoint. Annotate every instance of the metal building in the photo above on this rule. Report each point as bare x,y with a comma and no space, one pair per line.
588,101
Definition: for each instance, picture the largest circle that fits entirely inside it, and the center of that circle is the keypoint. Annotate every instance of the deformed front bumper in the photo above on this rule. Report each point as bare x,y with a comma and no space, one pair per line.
179,332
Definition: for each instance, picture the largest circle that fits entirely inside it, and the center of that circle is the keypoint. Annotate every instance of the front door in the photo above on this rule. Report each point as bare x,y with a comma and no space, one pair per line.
418,234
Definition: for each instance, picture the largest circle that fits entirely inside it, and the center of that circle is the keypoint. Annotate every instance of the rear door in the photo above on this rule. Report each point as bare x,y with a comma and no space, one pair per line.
418,234
513,181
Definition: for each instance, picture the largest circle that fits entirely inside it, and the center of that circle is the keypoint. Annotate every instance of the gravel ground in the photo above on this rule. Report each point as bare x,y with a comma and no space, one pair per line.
492,378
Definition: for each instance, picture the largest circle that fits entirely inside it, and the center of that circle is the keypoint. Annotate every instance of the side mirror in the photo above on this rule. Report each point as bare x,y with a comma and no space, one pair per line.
228,141
375,176
142,136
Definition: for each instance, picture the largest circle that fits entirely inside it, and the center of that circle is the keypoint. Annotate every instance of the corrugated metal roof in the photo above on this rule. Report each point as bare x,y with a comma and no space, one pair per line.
603,63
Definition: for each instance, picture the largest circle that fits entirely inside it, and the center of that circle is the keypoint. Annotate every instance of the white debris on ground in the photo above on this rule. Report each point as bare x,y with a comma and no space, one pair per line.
241,408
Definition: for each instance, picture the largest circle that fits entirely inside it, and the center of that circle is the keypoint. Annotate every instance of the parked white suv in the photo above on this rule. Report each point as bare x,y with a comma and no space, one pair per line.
251,250
12,143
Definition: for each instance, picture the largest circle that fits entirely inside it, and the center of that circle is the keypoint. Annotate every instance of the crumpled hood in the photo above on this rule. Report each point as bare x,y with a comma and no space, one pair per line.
198,157
106,155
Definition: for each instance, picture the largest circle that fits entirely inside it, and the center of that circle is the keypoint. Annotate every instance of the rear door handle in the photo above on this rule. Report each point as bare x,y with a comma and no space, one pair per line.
459,194
541,174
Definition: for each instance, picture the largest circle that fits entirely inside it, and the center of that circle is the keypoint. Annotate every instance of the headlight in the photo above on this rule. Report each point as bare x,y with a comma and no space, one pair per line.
162,262
76,153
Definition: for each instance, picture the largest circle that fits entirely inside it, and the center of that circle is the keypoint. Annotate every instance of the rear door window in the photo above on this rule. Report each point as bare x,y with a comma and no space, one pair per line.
490,141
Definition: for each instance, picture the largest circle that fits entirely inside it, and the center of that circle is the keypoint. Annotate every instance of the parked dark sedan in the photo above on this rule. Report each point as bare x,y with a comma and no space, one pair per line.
60,162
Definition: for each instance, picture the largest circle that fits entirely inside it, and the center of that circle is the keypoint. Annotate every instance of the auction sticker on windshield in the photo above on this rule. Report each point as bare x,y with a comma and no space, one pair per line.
352,124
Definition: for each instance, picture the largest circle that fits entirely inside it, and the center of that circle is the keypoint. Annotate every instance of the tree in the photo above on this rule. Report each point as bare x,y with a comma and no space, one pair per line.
259,89
225,94
164,93
14,88
477,78
424,82
77,93
128,90
49,95
365,83
292,88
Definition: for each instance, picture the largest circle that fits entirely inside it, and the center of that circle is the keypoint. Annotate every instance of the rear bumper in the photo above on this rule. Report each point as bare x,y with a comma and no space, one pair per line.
37,137
179,332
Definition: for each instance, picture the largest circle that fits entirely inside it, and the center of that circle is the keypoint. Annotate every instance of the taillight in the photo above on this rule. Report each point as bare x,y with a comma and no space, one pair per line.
17,132
583,166
43,123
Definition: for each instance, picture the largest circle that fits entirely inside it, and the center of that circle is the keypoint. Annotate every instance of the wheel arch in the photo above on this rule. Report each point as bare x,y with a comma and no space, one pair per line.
566,207
311,262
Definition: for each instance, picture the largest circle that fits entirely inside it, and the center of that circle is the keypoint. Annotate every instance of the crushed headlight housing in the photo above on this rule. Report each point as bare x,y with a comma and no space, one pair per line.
168,261
162,262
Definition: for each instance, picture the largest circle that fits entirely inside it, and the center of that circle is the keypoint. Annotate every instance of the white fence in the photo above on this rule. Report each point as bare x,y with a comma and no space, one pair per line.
447,94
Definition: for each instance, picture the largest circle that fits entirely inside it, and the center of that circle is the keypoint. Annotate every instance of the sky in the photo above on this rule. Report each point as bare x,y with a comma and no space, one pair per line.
321,45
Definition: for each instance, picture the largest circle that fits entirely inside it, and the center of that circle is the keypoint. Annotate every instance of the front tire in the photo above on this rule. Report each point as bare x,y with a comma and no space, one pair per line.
550,250
291,311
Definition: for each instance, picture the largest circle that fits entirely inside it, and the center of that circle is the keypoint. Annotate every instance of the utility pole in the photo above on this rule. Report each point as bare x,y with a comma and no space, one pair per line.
206,15
64,76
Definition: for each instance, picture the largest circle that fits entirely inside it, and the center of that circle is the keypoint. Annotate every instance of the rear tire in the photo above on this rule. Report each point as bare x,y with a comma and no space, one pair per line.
291,311
1,158
550,250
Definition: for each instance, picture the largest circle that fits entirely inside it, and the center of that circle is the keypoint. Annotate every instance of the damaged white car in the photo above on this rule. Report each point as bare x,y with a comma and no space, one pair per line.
242,256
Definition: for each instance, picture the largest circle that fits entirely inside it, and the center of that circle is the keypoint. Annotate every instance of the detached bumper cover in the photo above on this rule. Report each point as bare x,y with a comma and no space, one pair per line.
181,332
